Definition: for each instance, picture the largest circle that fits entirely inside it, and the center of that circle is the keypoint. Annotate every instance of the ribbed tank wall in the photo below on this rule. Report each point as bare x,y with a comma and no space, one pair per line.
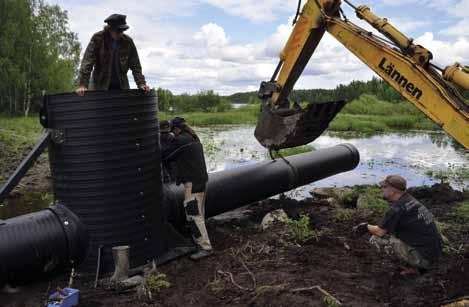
105,163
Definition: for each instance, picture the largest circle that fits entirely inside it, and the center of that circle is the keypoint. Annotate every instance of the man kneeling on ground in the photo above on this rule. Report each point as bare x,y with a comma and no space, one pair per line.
407,231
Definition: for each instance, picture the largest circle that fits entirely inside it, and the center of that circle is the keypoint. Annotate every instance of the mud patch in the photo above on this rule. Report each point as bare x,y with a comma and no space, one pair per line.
252,267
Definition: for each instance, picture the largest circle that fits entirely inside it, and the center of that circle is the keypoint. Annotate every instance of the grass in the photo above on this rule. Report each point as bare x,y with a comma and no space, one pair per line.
371,200
292,151
156,283
30,201
300,228
367,114
345,214
462,212
368,104
17,132
370,205
379,123
453,172
330,301
244,115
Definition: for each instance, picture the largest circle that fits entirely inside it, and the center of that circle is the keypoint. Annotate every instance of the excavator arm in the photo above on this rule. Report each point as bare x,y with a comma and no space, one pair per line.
404,65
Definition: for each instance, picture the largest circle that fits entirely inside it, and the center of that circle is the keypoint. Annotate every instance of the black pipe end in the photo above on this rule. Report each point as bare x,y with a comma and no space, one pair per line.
77,237
353,153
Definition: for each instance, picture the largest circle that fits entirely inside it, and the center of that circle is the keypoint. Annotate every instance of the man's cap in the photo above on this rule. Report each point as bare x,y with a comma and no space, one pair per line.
117,22
165,126
177,121
395,181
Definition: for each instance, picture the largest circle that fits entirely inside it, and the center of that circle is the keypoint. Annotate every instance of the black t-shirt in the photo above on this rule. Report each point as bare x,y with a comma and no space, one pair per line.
188,154
115,68
413,223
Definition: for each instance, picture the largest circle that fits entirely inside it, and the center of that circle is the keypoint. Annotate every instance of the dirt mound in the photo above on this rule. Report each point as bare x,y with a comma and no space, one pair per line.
437,194
252,267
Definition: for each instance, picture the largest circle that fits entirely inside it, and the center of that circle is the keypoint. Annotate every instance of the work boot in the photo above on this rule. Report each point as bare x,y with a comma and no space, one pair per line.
202,253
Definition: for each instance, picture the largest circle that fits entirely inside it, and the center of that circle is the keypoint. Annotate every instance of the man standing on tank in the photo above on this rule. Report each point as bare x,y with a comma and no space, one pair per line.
108,57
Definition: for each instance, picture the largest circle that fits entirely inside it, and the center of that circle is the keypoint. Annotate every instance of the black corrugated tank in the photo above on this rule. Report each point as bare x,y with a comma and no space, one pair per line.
105,164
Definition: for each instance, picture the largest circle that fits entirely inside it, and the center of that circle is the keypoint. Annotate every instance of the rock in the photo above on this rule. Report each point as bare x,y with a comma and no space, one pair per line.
336,197
321,193
130,283
362,202
10,290
238,215
323,209
333,202
270,218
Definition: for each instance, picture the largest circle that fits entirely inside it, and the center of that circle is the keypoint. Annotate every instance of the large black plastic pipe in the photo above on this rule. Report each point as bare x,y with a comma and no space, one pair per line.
38,244
231,189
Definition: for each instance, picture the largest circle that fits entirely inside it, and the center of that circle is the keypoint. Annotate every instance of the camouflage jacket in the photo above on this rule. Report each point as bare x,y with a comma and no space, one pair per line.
97,62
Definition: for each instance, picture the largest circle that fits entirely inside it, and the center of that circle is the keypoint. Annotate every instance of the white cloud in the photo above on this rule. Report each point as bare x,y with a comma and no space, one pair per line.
144,17
254,10
444,52
460,9
407,24
213,35
458,30
207,59
183,58
437,4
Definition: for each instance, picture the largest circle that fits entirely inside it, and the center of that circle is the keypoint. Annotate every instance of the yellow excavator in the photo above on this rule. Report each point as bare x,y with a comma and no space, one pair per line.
403,64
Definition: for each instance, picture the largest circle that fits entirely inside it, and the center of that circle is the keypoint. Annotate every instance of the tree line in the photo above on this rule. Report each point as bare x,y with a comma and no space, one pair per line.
349,92
203,101
376,86
38,53
209,101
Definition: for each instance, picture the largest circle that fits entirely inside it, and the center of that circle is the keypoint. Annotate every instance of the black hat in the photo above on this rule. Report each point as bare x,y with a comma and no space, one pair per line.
117,22
177,121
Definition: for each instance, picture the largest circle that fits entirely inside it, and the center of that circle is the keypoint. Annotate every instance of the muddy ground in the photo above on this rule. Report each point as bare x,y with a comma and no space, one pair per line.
252,267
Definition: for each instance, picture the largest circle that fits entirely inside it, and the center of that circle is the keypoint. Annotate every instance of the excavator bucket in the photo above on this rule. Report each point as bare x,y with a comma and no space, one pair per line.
284,128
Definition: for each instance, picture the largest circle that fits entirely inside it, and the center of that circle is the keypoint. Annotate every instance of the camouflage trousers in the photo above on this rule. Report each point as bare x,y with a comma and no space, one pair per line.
394,247
194,205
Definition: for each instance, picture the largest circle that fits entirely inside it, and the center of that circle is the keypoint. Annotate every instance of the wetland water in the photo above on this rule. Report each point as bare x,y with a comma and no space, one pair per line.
413,155
417,156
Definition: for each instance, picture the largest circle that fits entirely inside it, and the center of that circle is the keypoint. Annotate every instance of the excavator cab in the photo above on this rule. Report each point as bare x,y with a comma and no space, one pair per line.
290,127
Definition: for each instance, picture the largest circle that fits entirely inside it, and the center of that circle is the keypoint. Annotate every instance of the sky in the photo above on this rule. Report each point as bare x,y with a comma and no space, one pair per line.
230,46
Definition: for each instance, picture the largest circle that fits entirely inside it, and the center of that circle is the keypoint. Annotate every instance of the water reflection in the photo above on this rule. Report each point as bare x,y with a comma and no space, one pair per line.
411,154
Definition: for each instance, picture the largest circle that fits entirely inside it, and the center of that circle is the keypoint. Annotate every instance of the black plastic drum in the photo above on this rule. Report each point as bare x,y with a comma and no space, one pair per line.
105,164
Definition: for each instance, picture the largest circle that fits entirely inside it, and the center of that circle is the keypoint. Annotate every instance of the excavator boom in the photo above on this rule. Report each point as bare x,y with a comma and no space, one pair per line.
406,68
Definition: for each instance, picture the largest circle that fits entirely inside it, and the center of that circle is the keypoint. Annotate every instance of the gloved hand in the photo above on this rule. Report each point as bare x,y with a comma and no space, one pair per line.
145,88
360,230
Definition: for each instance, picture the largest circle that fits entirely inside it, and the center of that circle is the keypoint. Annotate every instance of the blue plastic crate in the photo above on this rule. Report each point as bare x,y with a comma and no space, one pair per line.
58,300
